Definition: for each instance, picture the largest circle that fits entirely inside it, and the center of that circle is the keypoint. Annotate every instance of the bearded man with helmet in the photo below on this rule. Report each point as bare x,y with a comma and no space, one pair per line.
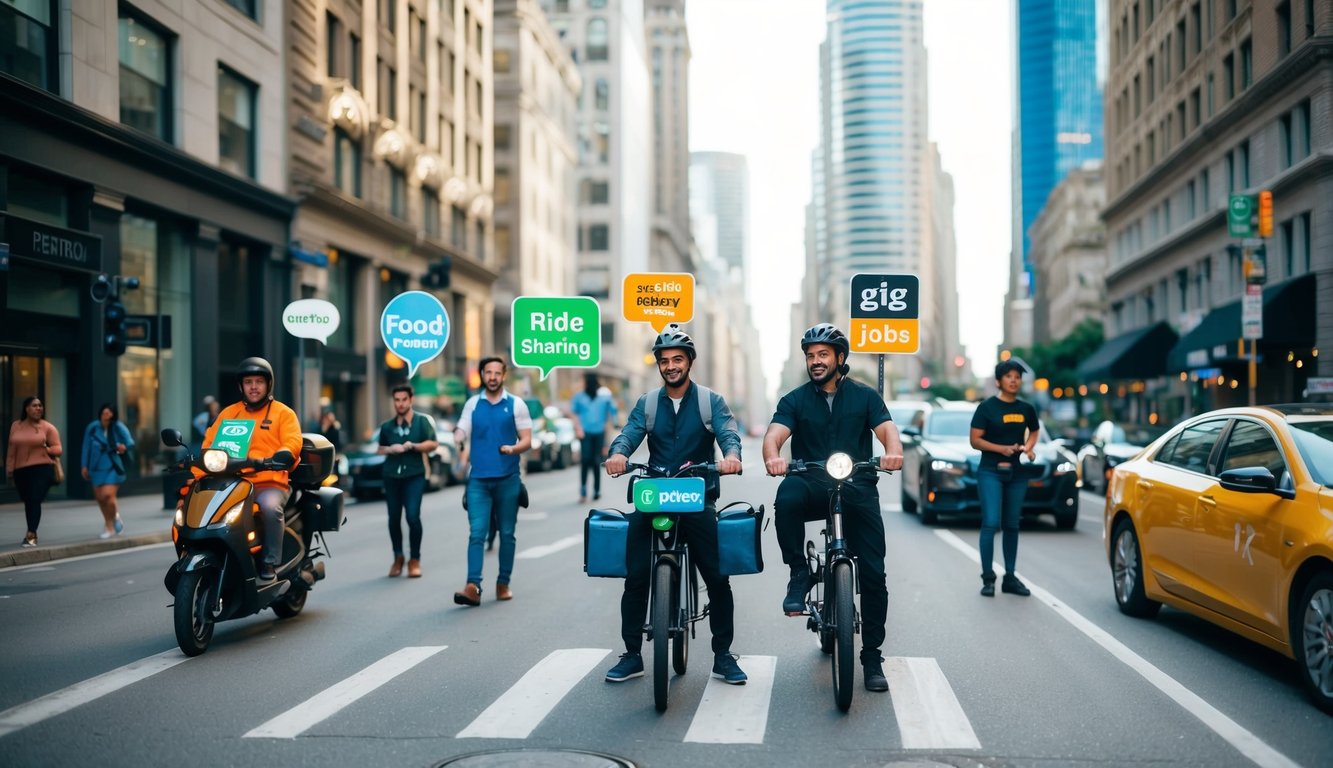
273,427
829,414
677,434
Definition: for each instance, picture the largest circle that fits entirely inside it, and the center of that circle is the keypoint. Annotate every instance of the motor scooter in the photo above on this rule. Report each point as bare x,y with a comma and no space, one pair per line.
215,576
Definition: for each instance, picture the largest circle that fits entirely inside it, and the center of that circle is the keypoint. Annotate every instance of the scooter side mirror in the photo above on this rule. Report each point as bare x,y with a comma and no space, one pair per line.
284,459
172,438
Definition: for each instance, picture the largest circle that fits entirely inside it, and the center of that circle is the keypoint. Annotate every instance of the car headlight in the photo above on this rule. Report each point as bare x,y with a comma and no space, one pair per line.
1064,467
940,465
215,460
839,466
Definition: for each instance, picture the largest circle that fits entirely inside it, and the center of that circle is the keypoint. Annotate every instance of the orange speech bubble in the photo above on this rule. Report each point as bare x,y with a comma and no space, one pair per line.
658,298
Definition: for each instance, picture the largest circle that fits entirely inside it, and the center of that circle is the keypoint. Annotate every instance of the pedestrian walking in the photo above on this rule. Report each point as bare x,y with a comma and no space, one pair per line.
1004,429
205,418
500,430
405,442
331,429
106,442
32,461
592,413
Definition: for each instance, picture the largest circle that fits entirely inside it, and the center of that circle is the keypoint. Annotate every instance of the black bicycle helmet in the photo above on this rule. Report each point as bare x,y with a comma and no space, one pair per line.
255,366
827,333
672,337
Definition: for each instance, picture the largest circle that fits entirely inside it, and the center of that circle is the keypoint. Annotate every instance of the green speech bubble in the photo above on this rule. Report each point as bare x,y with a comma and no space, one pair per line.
552,332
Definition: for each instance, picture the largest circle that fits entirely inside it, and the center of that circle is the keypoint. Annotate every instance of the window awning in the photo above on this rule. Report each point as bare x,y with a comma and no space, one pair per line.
1137,354
1289,322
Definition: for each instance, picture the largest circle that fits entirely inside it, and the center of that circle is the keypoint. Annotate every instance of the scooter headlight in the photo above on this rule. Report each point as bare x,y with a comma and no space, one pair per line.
180,518
233,514
215,460
839,466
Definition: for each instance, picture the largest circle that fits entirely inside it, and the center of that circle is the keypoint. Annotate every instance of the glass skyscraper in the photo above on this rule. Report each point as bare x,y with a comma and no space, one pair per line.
1059,106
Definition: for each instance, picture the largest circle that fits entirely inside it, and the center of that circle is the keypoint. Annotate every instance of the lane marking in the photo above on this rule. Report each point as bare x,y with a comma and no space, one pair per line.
522,708
65,699
543,550
533,515
1232,732
736,714
929,715
50,564
330,701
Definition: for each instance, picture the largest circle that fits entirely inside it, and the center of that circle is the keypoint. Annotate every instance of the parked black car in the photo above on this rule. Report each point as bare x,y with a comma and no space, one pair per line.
940,472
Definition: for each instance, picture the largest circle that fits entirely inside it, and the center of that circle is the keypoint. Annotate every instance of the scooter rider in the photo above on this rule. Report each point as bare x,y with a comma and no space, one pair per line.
678,436
833,413
273,427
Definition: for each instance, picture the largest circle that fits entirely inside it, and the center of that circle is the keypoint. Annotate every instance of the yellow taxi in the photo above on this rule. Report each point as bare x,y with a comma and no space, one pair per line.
1229,516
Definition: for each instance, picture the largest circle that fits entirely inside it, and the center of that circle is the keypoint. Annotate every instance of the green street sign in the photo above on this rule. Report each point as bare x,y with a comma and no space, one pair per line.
1240,216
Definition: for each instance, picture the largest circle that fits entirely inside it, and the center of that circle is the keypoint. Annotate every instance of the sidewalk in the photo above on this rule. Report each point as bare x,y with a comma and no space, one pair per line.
70,528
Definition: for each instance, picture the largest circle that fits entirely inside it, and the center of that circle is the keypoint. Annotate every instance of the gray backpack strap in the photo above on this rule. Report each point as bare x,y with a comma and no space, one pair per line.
705,397
650,406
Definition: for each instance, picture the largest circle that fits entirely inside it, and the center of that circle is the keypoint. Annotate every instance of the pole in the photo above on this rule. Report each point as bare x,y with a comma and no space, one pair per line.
881,376
300,389
1254,368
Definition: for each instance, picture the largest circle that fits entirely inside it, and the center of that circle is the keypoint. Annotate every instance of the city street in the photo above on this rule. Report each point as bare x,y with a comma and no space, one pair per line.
389,672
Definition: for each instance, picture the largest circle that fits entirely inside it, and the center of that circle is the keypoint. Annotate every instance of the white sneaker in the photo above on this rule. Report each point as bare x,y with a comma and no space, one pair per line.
105,535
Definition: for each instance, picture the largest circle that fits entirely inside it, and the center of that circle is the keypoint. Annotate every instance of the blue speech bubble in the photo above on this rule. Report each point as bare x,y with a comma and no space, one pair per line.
415,327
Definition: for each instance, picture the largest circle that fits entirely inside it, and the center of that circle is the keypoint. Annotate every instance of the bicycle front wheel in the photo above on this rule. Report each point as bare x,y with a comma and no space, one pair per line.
684,610
663,589
844,647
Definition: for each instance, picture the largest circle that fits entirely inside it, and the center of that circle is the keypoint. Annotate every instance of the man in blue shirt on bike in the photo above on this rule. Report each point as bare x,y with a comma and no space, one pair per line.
678,436
833,413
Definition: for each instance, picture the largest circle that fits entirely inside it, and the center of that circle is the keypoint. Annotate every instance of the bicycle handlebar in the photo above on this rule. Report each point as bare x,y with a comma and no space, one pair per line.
650,471
798,466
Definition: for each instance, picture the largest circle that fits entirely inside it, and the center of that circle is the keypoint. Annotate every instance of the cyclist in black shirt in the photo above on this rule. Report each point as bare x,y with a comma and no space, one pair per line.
829,414
1003,429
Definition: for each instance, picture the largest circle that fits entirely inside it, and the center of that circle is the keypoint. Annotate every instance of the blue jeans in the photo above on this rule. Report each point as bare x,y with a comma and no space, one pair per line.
483,494
404,494
1001,507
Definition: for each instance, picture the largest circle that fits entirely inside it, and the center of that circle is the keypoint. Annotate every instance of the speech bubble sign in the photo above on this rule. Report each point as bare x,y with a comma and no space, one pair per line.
658,298
414,327
552,332
311,319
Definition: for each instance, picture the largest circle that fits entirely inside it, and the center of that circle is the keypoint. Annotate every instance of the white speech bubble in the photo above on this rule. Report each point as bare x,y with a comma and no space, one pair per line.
311,319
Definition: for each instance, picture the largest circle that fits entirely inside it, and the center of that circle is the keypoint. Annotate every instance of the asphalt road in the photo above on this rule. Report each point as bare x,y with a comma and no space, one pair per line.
389,672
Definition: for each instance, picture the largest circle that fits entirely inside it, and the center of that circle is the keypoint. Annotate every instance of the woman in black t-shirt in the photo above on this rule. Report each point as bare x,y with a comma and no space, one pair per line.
1004,429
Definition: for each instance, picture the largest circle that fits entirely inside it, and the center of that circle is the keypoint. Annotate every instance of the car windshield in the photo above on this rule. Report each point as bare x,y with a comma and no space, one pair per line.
949,425
1314,439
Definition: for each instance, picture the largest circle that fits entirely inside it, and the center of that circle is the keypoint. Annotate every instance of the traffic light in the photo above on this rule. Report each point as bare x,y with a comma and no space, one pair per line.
437,275
113,328
1265,213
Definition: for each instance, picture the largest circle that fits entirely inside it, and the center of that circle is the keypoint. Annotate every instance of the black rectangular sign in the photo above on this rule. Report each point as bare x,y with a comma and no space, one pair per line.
51,245
882,296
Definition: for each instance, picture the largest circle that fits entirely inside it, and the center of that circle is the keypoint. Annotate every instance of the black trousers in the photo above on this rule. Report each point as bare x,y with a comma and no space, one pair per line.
801,499
590,462
700,530
33,483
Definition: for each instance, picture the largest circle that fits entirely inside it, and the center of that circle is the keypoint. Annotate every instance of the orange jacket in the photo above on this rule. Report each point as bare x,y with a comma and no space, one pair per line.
283,430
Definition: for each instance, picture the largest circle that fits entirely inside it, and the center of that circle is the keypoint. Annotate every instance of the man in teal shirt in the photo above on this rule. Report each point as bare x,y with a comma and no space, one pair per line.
406,442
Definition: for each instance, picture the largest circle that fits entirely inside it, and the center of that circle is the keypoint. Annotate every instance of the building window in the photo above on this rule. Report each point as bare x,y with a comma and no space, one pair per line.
332,37
599,237
1207,194
1196,19
1303,242
346,163
500,60
1243,164
430,213
354,60
1283,29
1190,201
1300,126
236,123
1288,246
248,7
480,235
1208,89
1309,18
30,45
602,95
397,193
1229,77
598,40
388,14
418,35
501,185
145,77
501,137
458,228
1246,65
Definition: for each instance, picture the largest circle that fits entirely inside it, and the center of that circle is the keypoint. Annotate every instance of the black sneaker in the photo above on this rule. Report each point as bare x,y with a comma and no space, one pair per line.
988,584
1013,586
267,574
726,669
797,588
630,665
874,676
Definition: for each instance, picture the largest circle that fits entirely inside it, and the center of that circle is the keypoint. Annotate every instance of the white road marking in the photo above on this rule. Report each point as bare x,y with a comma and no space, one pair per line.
548,549
50,564
1237,736
736,714
929,715
330,701
65,699
535,514
522,708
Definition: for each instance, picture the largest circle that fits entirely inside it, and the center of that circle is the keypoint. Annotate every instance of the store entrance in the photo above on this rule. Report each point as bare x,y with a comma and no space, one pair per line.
24,373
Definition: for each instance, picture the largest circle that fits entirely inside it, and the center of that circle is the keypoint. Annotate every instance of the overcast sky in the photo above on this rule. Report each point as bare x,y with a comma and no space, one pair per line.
754,90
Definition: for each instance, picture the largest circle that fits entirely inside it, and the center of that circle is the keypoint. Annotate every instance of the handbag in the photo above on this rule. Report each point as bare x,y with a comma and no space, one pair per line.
59,471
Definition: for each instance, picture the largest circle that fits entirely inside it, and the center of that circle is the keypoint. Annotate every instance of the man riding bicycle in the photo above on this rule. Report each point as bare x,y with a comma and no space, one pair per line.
830,414
678,435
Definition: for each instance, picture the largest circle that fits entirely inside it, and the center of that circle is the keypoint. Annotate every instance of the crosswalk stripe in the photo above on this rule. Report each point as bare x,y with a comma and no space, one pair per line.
736,714
522,708
65,699
929,715
548,549
330,701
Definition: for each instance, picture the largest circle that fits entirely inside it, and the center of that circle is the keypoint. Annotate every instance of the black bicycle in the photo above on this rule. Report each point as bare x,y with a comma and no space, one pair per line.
831,604
674,587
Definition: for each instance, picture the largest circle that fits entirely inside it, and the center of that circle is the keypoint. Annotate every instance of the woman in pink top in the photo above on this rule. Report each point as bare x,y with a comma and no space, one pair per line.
34,446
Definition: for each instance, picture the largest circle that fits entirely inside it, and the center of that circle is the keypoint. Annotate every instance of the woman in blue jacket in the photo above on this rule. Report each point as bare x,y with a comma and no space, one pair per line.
105,443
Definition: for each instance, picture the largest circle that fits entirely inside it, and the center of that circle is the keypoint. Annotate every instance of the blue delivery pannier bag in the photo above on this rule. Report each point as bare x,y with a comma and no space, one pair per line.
739,549
605,532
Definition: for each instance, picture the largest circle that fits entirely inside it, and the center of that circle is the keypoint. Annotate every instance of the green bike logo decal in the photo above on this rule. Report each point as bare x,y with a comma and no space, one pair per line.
233,436
674,494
